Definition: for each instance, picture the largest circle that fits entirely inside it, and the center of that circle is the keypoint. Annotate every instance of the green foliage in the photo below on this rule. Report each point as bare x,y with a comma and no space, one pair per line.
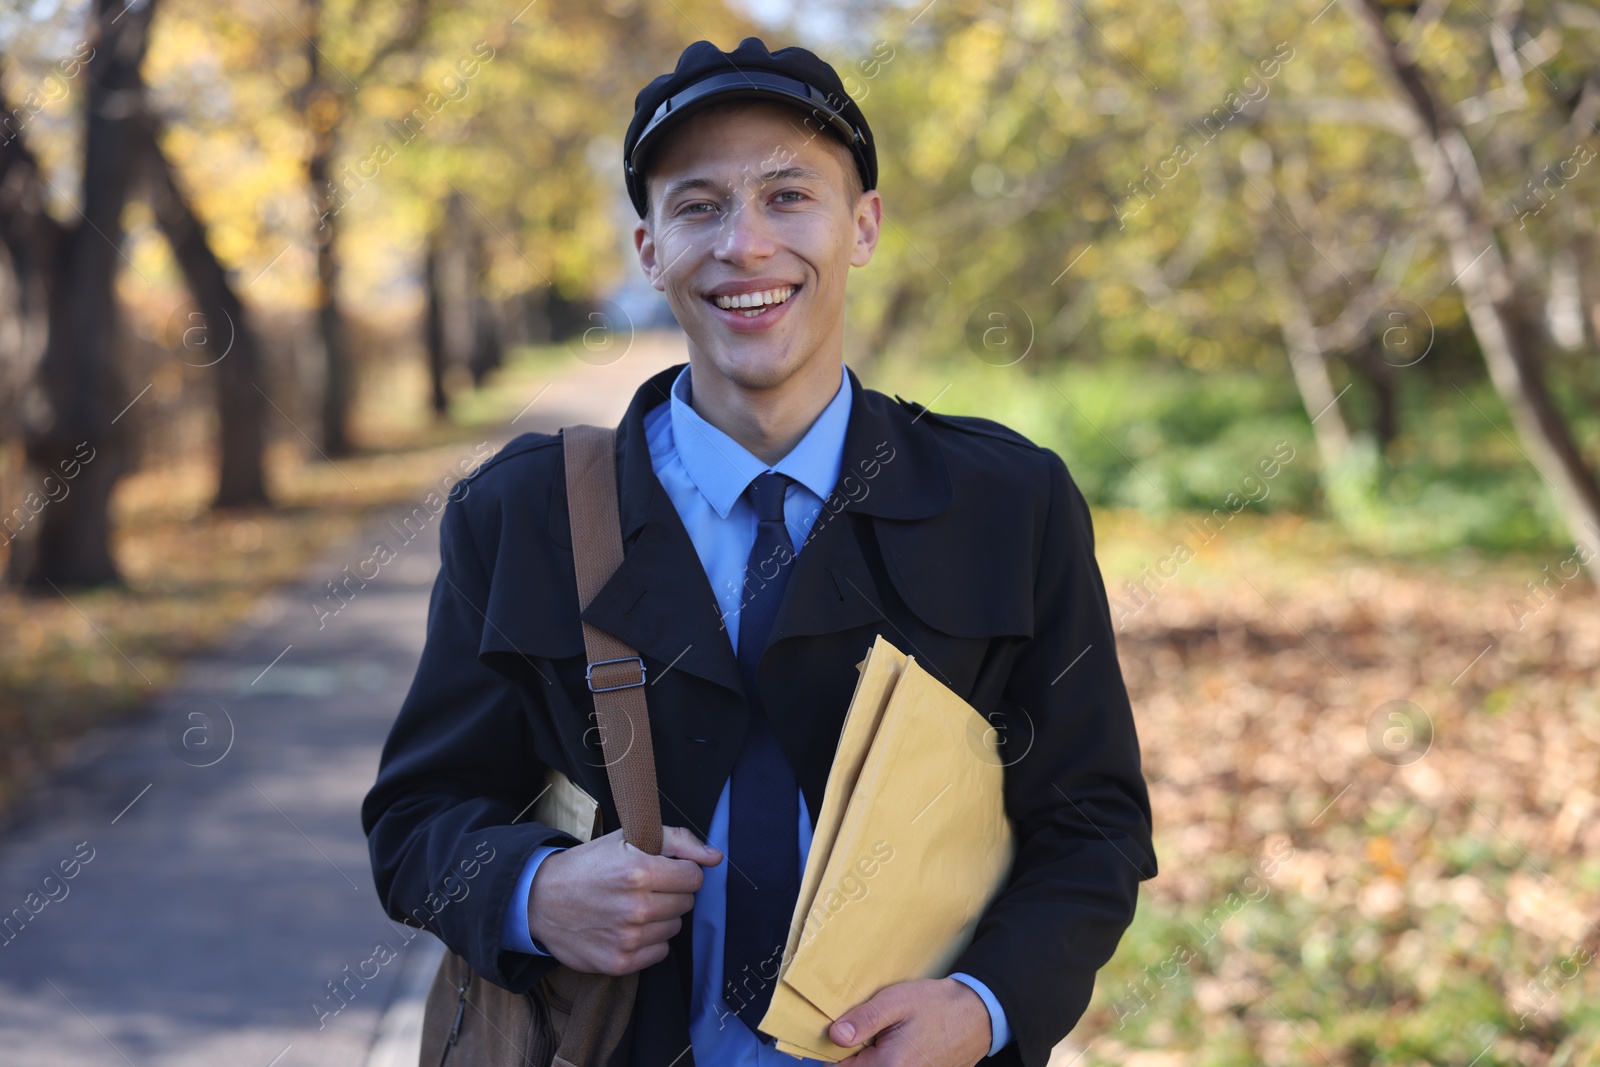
1117,172
1165,438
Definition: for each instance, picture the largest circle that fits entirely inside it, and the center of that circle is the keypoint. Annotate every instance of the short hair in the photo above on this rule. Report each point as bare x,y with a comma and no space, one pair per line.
853,185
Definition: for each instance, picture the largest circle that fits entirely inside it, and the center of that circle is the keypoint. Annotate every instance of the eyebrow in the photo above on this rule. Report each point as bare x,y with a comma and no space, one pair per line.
685,185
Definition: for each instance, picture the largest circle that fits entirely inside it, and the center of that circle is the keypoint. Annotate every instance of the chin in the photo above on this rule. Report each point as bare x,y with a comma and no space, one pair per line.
759,364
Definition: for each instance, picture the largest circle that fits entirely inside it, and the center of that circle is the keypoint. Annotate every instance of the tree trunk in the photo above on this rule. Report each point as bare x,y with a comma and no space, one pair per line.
225,339
1487,288
889,324
32,241
323,109
1307,361
457,288
1586,251
536,316
1310,368
1380,379
488,352
78,442
433,328
335,359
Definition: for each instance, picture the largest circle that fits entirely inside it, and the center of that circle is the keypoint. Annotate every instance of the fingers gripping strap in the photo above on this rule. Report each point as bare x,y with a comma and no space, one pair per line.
616,673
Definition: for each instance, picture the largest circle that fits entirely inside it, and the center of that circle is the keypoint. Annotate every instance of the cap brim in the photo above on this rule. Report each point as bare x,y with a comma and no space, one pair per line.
735,85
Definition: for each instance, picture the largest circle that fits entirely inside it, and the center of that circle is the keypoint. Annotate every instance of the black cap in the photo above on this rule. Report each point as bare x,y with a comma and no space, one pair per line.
706,74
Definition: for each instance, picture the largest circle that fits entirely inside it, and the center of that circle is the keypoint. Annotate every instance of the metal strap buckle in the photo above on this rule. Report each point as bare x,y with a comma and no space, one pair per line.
588,674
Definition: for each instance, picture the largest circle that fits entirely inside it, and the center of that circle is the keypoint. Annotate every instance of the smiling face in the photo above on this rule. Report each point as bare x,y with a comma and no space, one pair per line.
751,231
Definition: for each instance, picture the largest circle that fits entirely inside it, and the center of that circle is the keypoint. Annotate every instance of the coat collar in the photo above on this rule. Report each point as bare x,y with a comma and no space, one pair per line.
662,604
895,462
721,468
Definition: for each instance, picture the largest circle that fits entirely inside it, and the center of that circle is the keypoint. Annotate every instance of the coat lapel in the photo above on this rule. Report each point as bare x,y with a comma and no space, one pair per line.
890,470
660,600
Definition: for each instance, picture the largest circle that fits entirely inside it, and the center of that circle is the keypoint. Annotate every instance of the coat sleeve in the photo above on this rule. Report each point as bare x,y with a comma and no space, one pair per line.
1074,792
457,771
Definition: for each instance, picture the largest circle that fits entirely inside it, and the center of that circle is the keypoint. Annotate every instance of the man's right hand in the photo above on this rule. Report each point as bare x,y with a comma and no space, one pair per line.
604,907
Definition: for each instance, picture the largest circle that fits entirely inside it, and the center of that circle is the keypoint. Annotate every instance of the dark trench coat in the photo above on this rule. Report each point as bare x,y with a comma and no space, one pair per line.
959,540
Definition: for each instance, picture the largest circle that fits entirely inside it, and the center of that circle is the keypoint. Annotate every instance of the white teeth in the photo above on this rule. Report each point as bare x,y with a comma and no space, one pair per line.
755,300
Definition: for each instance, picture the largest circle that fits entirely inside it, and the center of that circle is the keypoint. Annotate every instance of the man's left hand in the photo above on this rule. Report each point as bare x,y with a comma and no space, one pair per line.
931,1022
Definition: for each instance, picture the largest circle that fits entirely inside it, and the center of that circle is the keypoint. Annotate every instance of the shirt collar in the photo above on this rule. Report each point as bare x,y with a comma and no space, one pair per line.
721,467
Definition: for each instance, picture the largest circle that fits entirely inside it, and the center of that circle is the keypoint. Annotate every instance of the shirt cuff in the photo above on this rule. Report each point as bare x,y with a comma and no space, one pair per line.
997,1015
514,933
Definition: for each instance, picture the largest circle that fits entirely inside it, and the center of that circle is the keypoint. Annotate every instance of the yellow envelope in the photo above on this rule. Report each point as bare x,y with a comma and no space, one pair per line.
565,806
789,1013
911,846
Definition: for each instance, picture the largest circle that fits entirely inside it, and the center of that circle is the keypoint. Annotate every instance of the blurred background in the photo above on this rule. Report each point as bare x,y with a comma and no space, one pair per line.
1306,294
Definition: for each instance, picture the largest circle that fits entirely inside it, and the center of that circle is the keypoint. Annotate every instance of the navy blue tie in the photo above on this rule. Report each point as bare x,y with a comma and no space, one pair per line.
763,803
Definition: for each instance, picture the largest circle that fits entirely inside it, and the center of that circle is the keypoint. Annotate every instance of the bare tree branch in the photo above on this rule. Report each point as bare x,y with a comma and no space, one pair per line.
1485,282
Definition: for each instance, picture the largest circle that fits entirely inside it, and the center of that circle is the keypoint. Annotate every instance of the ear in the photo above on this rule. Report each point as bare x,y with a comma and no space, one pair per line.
645,244
868,224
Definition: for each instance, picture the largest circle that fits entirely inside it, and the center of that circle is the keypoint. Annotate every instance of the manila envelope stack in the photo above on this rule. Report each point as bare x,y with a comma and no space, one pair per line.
911,845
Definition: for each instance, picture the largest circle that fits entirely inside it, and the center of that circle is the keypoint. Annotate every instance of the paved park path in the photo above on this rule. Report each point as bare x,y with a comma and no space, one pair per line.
209,905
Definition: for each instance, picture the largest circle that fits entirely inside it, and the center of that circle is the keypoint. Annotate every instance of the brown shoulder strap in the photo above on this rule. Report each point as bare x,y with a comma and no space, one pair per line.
615,672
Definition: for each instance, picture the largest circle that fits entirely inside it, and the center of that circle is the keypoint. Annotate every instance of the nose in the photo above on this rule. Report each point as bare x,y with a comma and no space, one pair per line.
746,235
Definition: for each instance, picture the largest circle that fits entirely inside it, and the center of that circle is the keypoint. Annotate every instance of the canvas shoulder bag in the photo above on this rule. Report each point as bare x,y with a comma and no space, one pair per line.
569,1018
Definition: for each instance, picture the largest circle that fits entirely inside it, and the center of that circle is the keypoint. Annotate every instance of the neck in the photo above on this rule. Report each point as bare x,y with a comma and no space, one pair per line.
769,421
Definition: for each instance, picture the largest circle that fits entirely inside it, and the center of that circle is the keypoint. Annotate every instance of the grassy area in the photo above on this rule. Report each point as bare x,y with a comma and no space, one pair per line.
1167,439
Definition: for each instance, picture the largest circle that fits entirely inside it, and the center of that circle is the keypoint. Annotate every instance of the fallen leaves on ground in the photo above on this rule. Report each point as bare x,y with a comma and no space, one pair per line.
1374,787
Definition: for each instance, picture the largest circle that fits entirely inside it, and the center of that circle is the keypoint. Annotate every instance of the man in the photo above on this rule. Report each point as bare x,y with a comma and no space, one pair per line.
776,516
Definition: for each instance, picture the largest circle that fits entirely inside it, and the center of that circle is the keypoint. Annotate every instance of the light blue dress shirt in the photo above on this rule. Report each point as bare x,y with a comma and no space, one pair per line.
705,473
